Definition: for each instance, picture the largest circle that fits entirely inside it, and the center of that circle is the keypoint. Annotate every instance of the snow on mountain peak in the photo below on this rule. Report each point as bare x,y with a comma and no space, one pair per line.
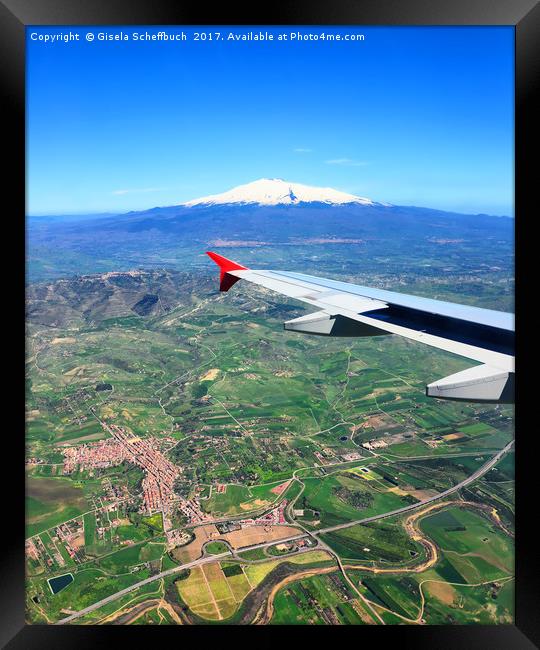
276,191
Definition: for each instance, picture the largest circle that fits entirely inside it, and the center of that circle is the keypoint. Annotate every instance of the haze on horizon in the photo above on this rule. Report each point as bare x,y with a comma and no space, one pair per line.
410,116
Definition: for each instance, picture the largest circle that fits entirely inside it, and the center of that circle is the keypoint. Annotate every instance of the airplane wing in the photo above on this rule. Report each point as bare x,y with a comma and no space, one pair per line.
346,309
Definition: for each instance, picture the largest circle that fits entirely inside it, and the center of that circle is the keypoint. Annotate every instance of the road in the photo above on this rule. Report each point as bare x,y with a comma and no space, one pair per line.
204,560
177,569
479,472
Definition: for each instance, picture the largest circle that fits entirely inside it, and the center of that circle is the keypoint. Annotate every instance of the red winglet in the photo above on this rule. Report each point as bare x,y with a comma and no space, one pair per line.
226,280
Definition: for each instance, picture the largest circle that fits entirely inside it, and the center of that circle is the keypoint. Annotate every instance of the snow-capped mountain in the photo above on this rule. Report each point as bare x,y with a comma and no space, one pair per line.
276,191
324,223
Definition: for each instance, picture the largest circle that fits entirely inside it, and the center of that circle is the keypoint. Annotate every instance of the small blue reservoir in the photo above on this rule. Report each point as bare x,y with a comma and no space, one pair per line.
60,582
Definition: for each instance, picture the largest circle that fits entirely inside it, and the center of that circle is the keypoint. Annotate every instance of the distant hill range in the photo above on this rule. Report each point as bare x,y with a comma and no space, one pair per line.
89,300
265,213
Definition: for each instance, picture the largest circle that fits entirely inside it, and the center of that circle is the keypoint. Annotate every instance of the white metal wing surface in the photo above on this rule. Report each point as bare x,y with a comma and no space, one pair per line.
346,309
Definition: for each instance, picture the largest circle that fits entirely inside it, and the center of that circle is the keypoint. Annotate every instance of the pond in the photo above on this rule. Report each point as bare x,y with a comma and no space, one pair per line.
60,582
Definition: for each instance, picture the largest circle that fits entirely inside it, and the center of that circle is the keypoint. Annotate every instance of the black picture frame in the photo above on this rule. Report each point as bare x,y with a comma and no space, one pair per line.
524,15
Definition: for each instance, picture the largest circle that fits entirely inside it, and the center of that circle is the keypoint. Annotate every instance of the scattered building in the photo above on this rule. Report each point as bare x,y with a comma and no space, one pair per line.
374,444
177,537
272,518
353,455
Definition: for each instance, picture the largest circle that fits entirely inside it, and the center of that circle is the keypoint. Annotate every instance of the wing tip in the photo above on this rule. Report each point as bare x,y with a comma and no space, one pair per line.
226,280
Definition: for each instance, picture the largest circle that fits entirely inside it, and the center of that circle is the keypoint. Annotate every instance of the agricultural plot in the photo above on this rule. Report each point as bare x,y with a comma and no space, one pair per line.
155,616
50,501
399,594
472,580
383,543
345,497
232,401
253,554
236,499
257,572
230,501
88,584
335,603
121,561
215,591
474,546
120,610
209,593
487,604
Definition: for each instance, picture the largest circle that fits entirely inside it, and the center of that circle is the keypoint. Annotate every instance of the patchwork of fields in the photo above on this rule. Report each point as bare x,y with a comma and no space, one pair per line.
331,431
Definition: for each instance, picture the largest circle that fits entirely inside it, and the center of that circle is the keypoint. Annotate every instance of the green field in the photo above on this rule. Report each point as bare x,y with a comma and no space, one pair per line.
50,502
473,545
292,604
214,548
232,400
322,496
382,542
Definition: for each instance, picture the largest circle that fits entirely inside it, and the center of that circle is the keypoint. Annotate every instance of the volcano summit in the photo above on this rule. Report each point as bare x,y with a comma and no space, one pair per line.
276,191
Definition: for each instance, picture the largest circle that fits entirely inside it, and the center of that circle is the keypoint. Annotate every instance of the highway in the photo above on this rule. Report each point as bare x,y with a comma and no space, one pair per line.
177,569
205,560
479,472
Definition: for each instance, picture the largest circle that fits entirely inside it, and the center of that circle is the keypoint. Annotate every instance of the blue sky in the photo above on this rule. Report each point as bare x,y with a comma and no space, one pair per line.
412,116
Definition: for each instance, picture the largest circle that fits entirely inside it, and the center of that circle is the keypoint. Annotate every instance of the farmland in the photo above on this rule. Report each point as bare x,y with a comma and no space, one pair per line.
308,433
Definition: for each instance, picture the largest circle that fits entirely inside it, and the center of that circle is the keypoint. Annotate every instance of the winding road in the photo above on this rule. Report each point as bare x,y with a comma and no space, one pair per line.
204,560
